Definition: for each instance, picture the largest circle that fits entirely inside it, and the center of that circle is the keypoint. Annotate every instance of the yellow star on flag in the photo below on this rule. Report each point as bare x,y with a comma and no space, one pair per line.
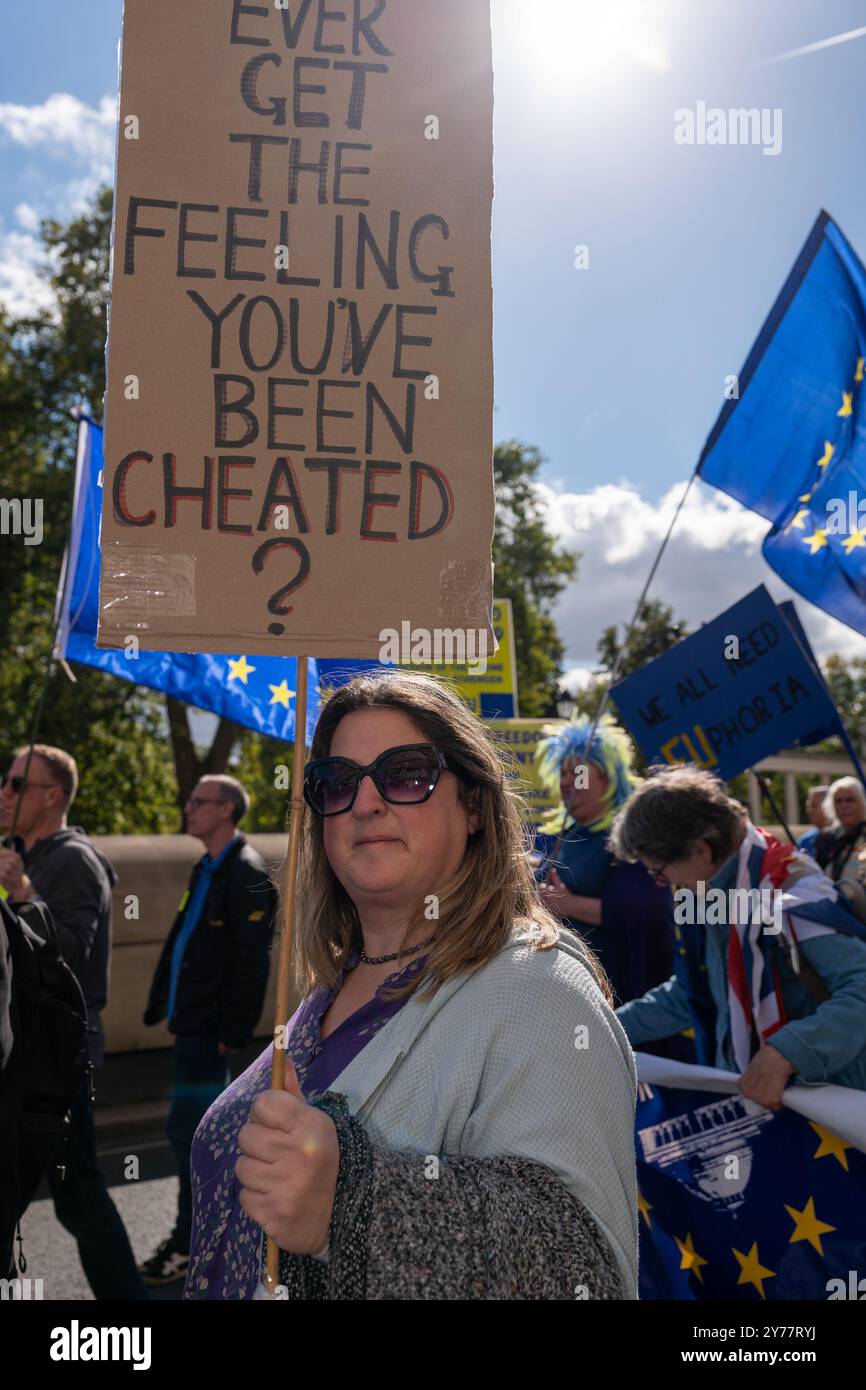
240,670
815,542
644,1207
798,522
858,375
829,451
281,694
847,406
856,539
751,1269
691,1260
807,497
807,1226
831,1144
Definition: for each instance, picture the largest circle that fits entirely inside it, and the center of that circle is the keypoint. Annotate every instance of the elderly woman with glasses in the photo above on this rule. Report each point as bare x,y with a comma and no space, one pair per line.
774,985
627,919
458,1116
841,848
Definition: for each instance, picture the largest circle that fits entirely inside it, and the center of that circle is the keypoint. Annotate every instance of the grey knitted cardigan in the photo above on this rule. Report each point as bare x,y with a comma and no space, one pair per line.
486,1144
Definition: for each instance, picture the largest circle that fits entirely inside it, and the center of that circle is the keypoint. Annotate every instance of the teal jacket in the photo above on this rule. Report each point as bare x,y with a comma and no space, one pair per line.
825,1042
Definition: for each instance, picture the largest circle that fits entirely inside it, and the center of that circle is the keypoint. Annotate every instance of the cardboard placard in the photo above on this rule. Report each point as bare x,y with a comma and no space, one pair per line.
300,396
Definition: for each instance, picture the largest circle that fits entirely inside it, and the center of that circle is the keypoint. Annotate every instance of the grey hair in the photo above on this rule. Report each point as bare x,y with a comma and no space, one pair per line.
823,794
817,791
233,791
848,784
673,809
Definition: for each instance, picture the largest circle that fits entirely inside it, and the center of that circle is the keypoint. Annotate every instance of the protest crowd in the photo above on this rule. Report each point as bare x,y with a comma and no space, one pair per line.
408,800
544,999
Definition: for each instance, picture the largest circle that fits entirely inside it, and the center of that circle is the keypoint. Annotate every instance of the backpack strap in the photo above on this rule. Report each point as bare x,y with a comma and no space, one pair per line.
813,982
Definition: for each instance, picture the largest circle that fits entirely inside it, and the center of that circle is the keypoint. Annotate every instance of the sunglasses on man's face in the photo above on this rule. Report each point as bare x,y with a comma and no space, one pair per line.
403,776
16,783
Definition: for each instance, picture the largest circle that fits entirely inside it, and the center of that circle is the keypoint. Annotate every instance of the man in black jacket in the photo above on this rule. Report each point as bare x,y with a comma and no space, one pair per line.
210,983
60,865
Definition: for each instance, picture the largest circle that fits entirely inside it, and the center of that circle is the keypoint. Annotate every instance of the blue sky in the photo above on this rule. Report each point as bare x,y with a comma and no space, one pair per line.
615,372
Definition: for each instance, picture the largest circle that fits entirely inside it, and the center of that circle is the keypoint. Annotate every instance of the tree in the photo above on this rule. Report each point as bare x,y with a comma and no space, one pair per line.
52,364
655,632
115,731
531,572
265,767
847,683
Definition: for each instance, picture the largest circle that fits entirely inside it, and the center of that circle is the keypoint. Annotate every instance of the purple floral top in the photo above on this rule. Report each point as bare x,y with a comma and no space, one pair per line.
225,1255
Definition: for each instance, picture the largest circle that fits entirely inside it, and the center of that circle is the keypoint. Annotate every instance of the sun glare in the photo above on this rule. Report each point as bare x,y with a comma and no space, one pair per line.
590,41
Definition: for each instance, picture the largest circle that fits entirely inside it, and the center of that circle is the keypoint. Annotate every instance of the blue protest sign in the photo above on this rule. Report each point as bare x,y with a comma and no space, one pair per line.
735,692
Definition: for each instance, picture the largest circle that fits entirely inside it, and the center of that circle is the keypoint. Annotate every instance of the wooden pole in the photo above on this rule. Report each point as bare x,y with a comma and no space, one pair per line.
281,1017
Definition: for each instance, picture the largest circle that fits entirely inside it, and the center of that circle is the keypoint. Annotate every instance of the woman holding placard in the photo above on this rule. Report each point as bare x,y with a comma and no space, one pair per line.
458,1117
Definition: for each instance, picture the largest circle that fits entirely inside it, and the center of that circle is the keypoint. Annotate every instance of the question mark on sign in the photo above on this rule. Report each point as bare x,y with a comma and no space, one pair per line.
276,602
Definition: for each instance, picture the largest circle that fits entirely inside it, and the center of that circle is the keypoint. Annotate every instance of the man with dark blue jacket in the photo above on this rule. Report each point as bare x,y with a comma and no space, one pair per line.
210,983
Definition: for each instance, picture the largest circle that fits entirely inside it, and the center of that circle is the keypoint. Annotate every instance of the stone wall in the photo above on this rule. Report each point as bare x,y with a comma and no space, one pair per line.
155,870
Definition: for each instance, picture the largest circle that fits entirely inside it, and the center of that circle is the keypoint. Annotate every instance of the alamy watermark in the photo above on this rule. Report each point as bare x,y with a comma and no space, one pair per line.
855,1288
20,1290
439,646
736,906
22,516
737,126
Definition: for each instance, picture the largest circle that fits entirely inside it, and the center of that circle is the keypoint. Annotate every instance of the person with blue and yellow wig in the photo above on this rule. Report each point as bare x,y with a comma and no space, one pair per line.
626,918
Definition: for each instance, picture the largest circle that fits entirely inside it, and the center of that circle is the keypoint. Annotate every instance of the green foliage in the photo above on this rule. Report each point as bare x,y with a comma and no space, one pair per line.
261,762
531,572
115,731
655,632
847,682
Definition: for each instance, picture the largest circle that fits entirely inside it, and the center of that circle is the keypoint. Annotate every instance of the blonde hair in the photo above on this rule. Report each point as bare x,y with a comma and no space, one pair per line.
493,891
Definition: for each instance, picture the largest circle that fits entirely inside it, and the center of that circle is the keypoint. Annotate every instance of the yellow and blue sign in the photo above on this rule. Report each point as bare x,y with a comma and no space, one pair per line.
489,693
488,685
522,737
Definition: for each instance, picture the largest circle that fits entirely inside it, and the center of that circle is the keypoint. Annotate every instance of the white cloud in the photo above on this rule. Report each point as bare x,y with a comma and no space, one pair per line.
714,558
60,128
63,126
27,217
22,290
577,678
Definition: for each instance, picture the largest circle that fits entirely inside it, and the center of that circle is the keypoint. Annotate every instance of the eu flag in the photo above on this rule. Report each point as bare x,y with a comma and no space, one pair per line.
741,1203
792,444
258,693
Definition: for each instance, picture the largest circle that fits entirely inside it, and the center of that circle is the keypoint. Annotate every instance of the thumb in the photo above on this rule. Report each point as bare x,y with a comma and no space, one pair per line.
291,1082
555,879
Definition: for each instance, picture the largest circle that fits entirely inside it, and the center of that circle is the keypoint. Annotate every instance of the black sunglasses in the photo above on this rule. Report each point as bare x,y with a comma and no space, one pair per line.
16,783
403,776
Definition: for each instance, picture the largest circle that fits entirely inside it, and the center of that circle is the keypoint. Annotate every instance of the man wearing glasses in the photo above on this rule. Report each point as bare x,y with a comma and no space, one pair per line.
59,864
210,983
